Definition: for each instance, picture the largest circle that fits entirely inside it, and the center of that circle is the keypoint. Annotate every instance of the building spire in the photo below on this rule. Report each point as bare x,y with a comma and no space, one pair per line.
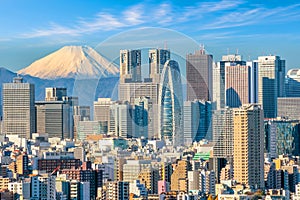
202,49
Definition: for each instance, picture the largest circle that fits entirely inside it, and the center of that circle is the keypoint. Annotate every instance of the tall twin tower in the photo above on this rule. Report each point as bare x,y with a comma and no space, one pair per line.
162,87
131,65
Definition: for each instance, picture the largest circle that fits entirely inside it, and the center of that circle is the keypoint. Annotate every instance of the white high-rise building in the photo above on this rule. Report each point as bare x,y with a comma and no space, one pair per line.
193,180
271,72
18,108
21,189
121,122
138,188
43,187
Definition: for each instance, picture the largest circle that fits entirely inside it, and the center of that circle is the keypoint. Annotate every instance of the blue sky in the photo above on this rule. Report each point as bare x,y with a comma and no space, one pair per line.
31,29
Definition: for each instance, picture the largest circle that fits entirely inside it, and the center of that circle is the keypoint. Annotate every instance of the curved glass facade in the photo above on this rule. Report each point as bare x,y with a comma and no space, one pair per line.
171,104
167,123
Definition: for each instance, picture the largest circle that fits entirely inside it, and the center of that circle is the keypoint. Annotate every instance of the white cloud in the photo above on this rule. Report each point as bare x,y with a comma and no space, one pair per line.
201,16
134,15
258,15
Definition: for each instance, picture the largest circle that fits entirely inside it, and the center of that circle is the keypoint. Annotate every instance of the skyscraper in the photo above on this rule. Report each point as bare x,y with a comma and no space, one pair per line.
157,60
55,94
292,83
289,107
197,118
219,97
143,114
53,118
18,108
199,75
222,131
237,85
171,104
130,66
282,137
55,114
102,110
81,113
130,90
121,122
248,149
253,65
218,86
271,72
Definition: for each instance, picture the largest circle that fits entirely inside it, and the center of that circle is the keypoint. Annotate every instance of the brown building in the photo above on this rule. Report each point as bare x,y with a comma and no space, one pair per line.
199,75
237,85
4,183
49,165
22,164
248,145
179,181
149,177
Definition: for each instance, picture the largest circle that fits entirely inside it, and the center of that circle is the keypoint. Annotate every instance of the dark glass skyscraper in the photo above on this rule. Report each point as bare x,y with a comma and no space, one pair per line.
199,75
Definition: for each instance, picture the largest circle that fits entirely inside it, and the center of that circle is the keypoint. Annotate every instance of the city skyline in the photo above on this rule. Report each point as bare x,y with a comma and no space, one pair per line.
149,100
252,28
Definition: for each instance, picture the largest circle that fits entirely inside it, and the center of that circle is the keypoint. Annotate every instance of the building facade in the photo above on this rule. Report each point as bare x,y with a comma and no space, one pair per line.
157,60
271,72
237,85
18,108
171,104
199,75
197,121
248,149
130,66
288,107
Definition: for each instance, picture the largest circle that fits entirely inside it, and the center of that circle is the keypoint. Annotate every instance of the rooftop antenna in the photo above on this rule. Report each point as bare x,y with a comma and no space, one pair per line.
237,51
165,45
227,51
202,49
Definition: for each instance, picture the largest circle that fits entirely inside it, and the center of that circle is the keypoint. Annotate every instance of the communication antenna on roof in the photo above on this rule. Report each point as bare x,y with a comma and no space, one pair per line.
237,51
202,48
165,45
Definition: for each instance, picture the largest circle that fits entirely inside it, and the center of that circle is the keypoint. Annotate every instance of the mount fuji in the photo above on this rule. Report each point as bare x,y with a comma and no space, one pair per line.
76,62
84,72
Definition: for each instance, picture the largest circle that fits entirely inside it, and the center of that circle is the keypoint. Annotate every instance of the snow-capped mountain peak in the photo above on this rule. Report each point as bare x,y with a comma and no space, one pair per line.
79,62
